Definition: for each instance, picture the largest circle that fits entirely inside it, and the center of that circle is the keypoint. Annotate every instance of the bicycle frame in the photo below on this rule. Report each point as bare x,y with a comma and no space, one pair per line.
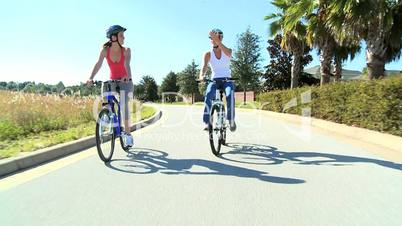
218,101
217,127
111,101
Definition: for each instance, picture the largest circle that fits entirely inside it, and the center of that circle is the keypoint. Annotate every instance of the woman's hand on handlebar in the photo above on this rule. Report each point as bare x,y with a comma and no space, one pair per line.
90,82
202,80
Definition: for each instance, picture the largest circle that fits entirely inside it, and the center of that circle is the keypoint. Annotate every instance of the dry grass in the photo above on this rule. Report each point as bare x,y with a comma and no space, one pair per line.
24,113
30,121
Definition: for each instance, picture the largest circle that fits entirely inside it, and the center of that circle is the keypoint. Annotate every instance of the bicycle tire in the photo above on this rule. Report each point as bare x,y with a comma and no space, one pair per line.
105,114
215,146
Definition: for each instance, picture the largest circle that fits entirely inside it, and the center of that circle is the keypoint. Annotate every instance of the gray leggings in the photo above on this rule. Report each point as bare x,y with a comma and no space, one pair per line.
126,94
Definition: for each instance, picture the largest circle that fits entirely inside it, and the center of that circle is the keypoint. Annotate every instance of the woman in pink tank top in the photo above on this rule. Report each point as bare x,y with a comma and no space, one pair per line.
118,59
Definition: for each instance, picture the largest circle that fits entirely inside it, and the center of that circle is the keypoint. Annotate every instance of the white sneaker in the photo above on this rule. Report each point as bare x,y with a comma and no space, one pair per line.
233,126
128,139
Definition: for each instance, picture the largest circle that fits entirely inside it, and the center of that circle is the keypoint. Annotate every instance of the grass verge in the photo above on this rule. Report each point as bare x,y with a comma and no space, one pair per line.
33,142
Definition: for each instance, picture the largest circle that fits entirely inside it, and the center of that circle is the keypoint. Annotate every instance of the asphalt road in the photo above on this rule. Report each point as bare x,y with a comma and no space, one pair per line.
271,173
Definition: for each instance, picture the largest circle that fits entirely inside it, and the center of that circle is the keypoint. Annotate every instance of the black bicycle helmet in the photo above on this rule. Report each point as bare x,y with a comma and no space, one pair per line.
113,30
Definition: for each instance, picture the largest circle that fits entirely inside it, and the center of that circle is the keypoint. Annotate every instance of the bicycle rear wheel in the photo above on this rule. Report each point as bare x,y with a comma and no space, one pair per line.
105,135
215,130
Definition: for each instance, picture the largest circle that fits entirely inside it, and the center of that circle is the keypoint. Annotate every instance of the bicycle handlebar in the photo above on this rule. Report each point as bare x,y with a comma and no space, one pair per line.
223,79
97,82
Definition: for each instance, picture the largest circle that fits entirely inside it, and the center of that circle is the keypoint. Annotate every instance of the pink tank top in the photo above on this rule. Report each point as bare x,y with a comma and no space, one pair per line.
117,69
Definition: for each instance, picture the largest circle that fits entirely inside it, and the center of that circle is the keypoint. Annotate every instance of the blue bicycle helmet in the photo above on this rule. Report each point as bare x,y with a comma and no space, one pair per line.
113,30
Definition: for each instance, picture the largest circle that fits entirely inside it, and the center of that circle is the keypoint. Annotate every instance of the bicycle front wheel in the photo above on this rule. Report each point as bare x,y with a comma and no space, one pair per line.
223,130
105,135
215,130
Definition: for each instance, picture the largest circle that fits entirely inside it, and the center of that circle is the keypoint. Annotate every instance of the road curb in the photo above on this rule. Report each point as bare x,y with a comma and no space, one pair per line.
15,164
385,140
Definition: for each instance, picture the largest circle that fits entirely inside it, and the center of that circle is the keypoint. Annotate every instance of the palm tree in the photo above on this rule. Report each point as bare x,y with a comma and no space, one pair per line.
378,23
314,14
293,37
342,53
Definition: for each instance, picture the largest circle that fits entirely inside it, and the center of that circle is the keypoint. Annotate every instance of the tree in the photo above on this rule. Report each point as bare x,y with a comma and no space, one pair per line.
149,88
3,85
187,80
341,54
278,72
312,14
169,84
293,41
12,86
29,87
378,23
21,86
246,62
60,87
41,88
53,89
24,86
139,92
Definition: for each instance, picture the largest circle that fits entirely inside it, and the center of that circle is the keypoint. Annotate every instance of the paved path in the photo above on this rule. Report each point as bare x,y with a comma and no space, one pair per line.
269,174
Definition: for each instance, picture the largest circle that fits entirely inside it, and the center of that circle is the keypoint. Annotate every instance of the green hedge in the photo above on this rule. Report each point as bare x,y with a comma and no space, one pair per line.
375,105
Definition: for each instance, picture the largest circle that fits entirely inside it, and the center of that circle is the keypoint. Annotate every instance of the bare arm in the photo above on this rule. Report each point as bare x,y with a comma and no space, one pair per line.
98,64
207,57
127,62
226,50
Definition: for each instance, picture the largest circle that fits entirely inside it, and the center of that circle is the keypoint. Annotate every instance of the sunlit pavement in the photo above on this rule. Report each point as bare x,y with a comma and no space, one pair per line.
271,173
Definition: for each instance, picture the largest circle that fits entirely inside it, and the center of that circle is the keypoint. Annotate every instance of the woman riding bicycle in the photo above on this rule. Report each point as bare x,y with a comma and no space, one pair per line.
219,61
118,59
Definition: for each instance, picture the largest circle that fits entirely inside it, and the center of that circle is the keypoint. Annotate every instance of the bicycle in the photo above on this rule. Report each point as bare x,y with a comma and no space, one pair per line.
108,124
217,117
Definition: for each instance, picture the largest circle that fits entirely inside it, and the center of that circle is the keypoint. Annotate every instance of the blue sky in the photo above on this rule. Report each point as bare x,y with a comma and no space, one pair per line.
51,41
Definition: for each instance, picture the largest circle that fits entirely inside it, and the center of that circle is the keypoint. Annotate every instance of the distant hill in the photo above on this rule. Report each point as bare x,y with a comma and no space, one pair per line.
347,74
392,72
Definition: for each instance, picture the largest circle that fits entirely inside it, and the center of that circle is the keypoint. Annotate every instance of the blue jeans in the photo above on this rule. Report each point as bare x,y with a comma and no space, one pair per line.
210,94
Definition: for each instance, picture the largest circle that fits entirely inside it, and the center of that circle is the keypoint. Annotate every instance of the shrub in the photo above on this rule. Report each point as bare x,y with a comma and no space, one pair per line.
375,105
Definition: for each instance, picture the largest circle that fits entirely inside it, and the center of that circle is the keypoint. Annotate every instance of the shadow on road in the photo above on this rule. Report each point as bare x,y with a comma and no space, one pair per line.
266,155
145,161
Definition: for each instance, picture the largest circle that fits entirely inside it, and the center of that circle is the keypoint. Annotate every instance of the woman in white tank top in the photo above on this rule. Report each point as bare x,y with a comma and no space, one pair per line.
220,66
219,61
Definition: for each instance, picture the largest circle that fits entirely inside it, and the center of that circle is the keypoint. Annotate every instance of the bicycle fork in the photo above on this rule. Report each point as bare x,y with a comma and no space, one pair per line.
220,117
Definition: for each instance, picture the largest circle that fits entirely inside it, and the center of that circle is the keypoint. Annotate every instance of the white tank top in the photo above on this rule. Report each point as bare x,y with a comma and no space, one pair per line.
220,67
